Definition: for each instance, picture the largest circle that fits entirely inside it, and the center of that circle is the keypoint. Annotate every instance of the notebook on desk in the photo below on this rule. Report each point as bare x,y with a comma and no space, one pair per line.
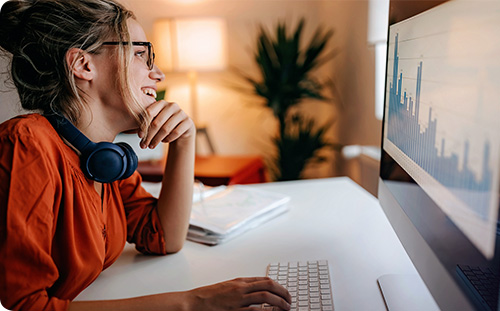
224,212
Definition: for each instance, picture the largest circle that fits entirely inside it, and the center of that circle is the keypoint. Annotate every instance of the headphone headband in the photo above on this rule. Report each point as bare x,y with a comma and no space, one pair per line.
67,130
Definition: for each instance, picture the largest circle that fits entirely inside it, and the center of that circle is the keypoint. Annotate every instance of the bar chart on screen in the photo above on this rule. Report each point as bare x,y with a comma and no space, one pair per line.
452,159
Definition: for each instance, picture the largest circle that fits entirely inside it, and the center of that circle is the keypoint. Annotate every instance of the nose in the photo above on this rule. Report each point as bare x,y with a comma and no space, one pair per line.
156,74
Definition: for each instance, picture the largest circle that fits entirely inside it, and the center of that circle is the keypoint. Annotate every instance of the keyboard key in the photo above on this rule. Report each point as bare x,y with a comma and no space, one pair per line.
326,302
303,303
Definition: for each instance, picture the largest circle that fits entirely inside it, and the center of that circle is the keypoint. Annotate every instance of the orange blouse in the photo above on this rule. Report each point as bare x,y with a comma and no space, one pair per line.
56,233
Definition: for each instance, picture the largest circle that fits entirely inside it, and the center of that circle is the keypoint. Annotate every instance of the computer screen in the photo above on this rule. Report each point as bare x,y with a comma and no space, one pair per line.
440,167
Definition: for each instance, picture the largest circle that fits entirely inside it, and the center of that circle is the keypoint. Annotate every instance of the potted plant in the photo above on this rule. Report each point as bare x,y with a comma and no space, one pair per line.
286,79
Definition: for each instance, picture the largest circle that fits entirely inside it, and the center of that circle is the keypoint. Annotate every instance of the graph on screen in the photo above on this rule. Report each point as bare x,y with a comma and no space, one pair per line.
442,108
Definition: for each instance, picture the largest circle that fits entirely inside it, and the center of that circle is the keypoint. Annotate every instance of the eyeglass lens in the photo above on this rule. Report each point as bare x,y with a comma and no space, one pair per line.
151,55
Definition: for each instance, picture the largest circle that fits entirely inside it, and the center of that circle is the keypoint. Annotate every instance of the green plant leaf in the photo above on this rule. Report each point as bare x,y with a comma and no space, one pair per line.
160,95
285,80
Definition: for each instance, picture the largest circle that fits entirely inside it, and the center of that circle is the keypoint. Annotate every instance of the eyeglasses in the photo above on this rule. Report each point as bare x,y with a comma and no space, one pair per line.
149,58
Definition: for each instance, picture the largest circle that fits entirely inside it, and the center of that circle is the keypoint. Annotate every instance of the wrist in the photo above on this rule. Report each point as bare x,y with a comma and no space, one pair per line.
191,301
187,140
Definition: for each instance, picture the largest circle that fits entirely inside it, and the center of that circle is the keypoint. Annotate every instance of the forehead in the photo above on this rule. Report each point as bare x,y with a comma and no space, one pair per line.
135,30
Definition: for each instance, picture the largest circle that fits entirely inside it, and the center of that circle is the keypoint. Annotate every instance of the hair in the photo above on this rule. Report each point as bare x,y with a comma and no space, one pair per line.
39,33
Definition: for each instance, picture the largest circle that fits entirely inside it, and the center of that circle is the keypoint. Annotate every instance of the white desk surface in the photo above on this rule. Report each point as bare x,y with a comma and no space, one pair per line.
333,219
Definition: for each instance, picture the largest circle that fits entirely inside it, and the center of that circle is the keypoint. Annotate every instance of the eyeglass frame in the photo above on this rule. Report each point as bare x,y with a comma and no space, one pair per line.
151,54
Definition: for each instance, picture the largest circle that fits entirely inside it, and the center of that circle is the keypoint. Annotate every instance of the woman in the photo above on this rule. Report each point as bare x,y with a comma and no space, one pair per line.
87,63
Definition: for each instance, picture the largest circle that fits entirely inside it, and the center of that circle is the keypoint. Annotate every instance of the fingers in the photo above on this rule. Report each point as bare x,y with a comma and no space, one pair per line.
168,123
264,290
243,294
267,297
268,284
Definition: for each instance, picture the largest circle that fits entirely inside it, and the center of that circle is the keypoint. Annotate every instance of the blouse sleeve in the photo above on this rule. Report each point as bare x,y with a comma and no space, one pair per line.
144,228
27,192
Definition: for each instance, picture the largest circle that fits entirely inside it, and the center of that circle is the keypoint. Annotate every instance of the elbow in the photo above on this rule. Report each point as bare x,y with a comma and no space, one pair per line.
174,247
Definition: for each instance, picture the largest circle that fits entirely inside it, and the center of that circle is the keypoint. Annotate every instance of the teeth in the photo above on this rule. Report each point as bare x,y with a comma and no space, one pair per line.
149,92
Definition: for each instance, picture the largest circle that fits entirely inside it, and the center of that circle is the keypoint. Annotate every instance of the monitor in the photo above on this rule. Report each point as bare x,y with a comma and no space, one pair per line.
440,166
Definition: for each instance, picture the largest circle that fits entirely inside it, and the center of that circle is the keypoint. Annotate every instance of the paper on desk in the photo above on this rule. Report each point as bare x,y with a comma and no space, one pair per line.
223,212
236,207
154,189
204,236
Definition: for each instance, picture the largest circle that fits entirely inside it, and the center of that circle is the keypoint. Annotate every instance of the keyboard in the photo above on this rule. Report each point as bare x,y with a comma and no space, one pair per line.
483,283
308,282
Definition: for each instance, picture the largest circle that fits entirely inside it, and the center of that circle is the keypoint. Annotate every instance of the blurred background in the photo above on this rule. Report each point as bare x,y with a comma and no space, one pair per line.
210,85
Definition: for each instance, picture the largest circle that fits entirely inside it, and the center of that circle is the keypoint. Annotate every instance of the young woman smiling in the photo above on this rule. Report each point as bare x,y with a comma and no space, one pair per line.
86,70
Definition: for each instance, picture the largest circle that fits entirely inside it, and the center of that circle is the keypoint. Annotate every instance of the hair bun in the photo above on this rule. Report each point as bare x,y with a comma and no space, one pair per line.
11,17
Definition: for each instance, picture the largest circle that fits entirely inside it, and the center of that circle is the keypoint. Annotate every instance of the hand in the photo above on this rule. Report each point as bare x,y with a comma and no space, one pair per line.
168,124
239,294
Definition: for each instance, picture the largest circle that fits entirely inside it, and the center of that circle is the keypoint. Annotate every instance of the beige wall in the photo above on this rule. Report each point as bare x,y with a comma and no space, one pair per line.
235,121
9,101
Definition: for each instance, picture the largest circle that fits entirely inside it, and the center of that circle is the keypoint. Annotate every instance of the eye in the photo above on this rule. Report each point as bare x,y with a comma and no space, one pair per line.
141,54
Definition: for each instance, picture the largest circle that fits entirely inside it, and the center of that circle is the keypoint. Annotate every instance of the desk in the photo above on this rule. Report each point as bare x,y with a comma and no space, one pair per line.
214,170
333,219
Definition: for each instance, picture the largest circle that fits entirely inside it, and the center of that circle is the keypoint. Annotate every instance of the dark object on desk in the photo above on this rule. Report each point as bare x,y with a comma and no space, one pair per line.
483,283
214,170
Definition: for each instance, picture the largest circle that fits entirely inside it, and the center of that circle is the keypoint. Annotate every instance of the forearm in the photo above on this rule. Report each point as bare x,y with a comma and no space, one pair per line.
176,196
177,301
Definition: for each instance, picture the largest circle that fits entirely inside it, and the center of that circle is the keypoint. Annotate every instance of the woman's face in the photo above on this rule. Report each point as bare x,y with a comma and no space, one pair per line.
143,80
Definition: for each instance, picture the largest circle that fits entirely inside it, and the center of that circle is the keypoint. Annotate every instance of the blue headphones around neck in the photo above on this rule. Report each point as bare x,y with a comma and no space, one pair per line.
103,162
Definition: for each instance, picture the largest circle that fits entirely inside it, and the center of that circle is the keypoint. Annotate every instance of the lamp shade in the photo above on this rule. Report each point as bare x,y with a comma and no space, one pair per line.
187,44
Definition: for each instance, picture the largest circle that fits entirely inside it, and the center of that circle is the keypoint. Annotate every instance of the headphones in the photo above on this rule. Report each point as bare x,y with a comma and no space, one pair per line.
103,162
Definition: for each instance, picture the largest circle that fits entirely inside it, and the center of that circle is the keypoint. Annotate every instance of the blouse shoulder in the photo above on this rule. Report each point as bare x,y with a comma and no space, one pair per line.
32,125
34,131
31,137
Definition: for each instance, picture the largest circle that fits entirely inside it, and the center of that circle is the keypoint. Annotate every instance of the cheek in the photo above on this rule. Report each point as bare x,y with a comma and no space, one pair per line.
136,80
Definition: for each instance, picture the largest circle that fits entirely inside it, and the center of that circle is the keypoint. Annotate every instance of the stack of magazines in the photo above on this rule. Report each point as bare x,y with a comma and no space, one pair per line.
229,211
224,212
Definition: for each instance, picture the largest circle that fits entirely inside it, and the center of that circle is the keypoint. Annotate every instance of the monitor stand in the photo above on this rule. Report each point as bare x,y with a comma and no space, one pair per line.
406,292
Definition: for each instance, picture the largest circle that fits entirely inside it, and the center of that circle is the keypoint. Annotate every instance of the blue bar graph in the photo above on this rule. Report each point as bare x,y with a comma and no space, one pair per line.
419,144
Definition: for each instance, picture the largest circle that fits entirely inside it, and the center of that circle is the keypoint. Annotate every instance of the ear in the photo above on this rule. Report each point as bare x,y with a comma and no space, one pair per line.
80,64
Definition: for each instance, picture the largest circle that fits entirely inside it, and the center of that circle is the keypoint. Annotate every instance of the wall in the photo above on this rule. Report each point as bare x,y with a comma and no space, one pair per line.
9,100
355,69
236,122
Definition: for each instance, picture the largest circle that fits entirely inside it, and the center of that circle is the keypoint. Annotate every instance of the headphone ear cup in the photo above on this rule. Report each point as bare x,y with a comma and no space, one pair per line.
105,163
132,160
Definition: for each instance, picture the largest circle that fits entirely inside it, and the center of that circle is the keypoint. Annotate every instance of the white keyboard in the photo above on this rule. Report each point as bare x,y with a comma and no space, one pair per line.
308,282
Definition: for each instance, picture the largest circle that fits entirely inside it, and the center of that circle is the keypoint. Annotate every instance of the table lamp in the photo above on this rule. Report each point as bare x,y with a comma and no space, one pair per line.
191,45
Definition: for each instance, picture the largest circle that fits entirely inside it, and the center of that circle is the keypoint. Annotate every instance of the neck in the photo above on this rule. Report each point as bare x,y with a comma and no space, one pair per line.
97,126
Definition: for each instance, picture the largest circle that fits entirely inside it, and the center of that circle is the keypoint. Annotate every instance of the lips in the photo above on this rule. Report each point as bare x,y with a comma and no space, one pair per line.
149,92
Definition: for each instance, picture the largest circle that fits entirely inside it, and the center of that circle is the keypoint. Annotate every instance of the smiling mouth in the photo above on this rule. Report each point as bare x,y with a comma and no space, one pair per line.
149,92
